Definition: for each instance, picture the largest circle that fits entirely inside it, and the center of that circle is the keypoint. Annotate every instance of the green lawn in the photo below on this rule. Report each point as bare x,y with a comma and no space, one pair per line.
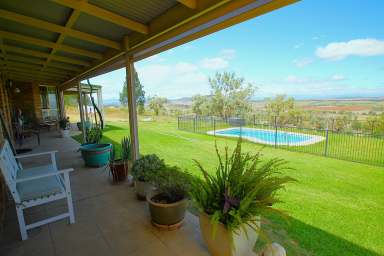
337,207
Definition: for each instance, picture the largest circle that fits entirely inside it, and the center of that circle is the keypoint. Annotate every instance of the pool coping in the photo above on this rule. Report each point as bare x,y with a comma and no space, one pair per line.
314,138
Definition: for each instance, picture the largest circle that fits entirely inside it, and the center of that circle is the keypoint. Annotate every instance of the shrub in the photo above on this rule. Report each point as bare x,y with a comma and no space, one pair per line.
147,166
241,191
172,183
64,123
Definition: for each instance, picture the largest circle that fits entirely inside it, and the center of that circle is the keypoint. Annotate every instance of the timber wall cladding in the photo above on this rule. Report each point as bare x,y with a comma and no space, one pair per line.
28,100
5,107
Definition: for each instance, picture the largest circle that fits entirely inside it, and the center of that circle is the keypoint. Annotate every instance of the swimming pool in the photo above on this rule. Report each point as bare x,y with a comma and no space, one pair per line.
269,137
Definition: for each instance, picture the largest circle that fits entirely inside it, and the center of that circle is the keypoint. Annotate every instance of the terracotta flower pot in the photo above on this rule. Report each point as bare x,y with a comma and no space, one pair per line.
166,215
227,243
119,170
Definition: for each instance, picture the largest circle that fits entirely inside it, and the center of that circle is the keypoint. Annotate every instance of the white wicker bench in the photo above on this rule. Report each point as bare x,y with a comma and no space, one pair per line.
35,186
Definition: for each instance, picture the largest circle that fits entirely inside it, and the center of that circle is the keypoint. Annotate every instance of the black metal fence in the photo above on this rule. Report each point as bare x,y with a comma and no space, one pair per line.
355,146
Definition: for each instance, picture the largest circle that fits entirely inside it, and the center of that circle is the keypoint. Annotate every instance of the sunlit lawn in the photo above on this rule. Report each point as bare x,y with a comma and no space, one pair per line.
337,207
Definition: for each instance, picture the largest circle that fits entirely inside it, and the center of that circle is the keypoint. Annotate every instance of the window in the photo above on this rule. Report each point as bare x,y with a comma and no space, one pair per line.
49,107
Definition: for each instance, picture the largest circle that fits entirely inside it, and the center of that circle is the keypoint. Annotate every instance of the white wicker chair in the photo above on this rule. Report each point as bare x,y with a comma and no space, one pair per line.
35,186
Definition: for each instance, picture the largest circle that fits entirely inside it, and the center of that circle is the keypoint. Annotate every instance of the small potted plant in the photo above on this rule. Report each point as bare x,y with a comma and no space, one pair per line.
119,167
65,126
234,198
142,169
168,203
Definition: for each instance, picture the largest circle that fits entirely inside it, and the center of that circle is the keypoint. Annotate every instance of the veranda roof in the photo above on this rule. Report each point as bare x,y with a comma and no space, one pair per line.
61,42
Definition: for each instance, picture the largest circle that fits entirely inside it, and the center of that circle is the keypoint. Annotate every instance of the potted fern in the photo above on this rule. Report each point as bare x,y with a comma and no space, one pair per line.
142,169
168,203
119,167
233,199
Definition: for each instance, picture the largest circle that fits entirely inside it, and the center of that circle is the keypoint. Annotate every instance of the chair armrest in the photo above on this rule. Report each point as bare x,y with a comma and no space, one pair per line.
45,175
36,154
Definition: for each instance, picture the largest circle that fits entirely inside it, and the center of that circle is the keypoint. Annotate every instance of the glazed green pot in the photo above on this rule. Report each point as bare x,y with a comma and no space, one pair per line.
96,155
166,214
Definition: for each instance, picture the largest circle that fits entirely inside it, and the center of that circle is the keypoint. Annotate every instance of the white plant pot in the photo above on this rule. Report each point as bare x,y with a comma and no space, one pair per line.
64,133
142,189
221,244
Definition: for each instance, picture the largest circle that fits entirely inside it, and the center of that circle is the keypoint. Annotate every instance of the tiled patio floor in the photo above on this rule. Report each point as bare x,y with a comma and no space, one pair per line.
109,218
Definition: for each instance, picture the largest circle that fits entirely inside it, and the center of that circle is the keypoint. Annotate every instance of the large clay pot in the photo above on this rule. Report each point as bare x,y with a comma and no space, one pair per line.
227,243
142,188
162,214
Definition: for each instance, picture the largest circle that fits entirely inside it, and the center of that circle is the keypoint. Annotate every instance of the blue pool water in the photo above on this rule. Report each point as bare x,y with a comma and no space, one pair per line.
270,136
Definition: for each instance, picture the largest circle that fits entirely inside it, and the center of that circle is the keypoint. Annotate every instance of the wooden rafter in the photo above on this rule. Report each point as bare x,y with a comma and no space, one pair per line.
105,15
58,67
72,19
32,71
188,3
39,54
26,20
48,44
25,62
27,78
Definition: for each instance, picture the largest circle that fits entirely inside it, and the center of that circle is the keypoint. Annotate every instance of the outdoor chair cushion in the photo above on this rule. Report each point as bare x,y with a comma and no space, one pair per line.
39,188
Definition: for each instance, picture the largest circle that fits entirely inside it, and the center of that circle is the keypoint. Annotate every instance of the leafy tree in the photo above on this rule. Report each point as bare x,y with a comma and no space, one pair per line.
284,109
139,93
230,96
157,104
201,105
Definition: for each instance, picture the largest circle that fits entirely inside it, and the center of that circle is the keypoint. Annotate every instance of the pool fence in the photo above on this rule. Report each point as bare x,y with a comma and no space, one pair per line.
357,146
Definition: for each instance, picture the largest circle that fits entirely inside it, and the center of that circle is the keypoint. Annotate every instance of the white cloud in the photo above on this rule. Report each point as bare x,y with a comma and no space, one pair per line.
337,77
173,80
228,54
297,46
357,47
214,63
300,63
294,79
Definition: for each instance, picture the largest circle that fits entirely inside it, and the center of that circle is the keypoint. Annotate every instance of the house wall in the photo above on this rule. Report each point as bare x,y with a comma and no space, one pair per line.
5,109
28,100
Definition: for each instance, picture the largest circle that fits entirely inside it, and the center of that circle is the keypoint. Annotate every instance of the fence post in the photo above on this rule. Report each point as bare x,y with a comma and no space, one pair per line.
214,127
254,119
194,124
178,122
326,142
275,131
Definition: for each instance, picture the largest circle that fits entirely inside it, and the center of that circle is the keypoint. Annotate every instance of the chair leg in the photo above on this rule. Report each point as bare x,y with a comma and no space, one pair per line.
69,198
20,217
70,208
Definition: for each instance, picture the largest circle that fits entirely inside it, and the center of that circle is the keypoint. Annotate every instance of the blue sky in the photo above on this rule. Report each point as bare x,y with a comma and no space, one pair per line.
311,49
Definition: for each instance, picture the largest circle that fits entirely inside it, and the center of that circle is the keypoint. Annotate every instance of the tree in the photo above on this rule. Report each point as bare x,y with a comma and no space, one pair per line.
201,105
157,104
139,93
230,96
283,109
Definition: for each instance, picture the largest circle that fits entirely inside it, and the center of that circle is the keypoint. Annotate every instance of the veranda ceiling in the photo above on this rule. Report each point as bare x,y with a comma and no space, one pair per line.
63,41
